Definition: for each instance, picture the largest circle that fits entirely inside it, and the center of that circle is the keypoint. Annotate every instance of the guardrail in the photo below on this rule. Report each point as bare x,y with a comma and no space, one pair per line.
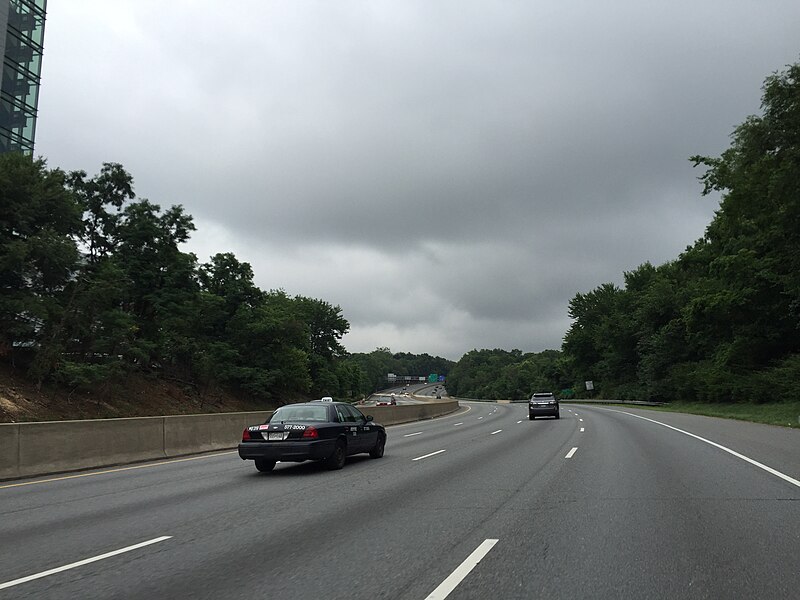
599,401
31,449
572,400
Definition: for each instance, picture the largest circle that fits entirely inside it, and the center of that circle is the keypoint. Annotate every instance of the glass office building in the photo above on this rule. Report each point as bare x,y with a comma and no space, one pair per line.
21,37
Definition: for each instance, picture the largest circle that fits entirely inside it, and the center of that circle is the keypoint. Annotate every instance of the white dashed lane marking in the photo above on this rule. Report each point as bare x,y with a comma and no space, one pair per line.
462,570
80,563
428,455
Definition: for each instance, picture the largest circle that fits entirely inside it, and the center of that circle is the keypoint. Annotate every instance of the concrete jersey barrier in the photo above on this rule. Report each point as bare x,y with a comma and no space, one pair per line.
32,449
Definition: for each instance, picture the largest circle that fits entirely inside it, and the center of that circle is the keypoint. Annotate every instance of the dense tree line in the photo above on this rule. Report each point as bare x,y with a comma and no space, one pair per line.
721,322
509,375
94,286
376,365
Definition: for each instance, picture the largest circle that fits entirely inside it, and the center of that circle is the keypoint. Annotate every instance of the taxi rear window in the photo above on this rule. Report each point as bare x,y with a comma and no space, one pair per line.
302,414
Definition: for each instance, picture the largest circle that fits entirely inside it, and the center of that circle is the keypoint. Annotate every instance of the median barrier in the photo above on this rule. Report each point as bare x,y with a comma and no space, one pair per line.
31,449
43,448
188,434
9,451
406,413
54,446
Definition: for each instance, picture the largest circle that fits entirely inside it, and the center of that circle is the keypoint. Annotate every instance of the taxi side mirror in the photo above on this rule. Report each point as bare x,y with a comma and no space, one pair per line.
369,418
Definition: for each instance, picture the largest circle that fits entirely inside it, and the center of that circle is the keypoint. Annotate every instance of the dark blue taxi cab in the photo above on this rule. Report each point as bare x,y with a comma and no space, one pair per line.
324,431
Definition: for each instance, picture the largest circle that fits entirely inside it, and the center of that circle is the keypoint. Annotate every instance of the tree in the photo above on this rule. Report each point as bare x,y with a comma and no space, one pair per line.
502,374
720,323
101,198
38,255
272,346
755,236
228,278
159,279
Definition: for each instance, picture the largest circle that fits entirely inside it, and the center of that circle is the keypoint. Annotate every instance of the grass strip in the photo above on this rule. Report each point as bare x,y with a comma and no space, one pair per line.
786,414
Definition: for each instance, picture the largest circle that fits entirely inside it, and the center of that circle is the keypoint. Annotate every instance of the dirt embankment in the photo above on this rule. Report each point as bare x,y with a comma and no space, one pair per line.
137,396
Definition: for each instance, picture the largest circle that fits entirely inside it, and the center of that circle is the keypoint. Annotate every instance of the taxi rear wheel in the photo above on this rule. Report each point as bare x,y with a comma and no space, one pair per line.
379,448
264,465
336,460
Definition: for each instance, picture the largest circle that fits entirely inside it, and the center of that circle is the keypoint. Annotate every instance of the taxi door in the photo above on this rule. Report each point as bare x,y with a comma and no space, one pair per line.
367,432
350,426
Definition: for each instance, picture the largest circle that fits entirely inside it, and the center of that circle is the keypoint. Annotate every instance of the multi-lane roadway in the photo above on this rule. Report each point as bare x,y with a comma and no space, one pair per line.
414,393
605,502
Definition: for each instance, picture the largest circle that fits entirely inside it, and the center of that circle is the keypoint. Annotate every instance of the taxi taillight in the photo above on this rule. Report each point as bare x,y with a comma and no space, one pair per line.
246,435
311,433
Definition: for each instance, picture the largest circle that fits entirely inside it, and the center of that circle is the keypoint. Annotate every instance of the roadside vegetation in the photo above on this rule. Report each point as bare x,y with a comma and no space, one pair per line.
96,291
786,414
720,323
715,331
376,365
509,375
95,287
96,294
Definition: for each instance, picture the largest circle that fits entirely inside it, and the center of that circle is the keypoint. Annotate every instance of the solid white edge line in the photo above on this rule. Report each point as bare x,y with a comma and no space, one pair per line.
457,424
410,434
80,563
462,570
498,431
791,480
117,470
571,453
427,455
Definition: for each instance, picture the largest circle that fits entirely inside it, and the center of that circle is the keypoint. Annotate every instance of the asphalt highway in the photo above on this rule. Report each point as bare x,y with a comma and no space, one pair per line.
605,502
412,393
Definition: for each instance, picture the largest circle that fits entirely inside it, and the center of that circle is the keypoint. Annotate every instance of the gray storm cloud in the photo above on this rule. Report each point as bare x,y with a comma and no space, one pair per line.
450,173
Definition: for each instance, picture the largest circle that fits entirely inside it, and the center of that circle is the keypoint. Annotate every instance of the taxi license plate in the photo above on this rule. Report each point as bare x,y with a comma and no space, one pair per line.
277,436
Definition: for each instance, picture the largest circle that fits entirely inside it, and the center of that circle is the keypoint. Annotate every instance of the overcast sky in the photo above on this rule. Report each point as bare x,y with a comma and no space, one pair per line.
450,173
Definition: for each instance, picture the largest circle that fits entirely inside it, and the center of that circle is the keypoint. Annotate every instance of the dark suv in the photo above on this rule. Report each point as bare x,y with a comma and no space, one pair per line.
543,403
